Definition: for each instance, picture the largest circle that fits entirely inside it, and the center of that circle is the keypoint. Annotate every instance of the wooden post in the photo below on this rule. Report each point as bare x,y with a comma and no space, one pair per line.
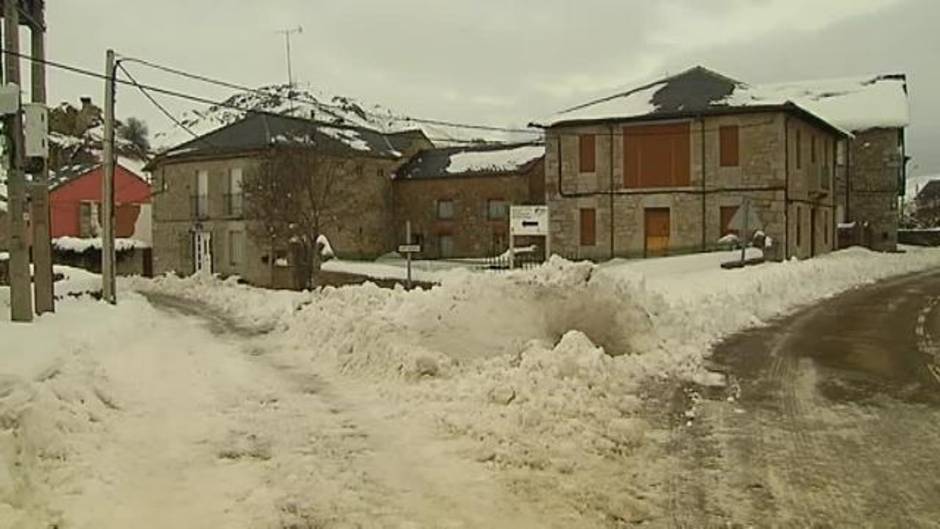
39,191
21,300
107,187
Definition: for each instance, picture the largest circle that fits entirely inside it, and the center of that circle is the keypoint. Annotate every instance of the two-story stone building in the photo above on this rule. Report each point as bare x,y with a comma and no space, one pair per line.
663,168
198,207
457,199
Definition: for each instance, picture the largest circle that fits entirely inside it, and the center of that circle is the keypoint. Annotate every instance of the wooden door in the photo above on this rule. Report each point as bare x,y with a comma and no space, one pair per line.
812,231
657,231
203,252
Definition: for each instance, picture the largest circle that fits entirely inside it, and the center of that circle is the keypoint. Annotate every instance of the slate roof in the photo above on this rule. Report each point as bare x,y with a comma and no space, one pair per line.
258,131
930,191
843,105
472,160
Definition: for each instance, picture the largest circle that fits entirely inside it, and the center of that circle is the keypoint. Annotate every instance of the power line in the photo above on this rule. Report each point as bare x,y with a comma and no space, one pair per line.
314,101
195,98
156,103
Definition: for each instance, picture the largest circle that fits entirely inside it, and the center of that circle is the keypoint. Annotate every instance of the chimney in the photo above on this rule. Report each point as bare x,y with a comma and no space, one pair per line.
86,101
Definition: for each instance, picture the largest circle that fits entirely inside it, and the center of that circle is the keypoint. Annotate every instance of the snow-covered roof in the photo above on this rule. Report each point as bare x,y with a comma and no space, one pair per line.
853,103
472,160
849,104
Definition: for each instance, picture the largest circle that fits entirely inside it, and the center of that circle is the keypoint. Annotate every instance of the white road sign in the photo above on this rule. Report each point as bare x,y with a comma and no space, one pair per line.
409,248
528,220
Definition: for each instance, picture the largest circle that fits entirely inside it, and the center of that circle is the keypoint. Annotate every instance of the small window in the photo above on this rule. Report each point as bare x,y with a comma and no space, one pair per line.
588,152
729,145
445,209
826,228
446,243
799,149
497,209
380,172
840,153
812,149
588,227
359,169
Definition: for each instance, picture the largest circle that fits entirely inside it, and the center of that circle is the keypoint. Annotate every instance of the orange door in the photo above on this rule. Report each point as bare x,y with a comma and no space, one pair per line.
657,231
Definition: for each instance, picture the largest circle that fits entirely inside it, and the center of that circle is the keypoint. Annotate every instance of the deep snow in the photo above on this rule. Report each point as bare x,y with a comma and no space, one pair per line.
491,394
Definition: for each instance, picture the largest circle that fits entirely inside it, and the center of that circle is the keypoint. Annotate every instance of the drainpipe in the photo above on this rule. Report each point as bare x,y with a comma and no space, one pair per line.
786,188
611,189
704,190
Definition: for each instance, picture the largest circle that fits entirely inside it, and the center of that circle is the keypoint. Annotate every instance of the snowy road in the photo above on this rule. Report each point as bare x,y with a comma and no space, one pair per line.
832,419
220,431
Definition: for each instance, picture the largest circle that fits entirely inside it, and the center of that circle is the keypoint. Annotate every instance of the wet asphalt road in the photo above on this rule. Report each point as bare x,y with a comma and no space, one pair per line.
831,419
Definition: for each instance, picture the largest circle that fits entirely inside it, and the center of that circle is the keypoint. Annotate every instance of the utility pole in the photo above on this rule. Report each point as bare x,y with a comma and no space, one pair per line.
290,73
107,186
21,300
39,190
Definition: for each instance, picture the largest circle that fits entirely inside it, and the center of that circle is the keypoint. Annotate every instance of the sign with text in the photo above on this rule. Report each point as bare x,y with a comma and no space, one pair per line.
409,248
528,220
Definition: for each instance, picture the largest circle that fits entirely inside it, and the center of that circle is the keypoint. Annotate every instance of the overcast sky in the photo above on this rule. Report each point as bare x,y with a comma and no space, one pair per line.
500,62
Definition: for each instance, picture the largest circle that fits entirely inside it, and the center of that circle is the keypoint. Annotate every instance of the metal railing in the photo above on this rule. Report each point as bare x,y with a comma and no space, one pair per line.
199,206
234,204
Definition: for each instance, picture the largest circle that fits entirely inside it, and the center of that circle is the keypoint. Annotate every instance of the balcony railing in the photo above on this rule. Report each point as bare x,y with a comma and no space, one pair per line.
199,205
234,204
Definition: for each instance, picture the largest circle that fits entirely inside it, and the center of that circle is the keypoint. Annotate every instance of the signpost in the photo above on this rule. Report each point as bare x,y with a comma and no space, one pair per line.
408,249
745,221
528,221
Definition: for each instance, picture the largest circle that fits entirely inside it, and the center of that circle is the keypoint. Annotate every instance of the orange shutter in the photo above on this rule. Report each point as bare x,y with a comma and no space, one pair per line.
729,145
588,152
657,155
588,227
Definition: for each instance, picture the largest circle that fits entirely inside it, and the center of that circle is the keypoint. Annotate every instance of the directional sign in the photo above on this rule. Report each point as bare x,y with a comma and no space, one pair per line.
748,214
409,248
528,220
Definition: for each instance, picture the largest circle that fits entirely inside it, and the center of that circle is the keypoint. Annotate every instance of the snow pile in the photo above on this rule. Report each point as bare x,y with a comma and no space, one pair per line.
81,245
503,160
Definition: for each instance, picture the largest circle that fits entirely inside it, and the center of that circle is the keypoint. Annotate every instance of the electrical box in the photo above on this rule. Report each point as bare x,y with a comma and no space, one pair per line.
9,99
36,130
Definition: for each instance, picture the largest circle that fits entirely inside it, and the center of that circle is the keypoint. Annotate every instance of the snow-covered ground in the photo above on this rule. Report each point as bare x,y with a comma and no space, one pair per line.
493,400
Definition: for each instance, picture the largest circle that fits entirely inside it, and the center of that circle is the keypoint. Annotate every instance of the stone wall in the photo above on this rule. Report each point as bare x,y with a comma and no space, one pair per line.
473,233
761,176
875,166
357,227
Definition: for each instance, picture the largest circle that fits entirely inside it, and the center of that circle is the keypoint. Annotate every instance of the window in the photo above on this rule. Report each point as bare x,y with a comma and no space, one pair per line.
445,209
588,152
233,199
497,209
799,227
446,243
236,248
359,169
380,172
656,156
588,227
727,215
812,149
826,228
799,149
840,153
201,202
729,145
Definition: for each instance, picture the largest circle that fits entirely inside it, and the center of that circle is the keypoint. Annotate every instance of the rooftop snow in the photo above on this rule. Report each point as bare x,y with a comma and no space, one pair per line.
81,245
854,104
850,104
471,160
348,136
494,161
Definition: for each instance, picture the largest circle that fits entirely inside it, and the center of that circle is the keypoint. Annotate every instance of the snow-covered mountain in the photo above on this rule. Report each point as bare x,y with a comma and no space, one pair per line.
305,101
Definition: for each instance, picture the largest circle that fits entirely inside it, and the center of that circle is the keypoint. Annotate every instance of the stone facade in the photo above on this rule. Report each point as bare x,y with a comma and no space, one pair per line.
871,185
359,227
782,194
472,229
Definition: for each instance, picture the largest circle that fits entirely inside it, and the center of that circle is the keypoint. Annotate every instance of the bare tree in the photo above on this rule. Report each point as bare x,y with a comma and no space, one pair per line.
290,200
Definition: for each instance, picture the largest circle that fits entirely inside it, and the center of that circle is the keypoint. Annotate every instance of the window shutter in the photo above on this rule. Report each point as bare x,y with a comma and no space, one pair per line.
729,136
588,153
588,227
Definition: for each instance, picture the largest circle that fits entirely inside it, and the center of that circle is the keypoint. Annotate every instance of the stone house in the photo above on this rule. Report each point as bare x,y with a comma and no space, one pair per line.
665,167
198,210
457,199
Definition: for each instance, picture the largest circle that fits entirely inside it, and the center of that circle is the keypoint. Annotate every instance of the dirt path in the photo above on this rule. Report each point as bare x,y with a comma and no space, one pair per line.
832,419
333,454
